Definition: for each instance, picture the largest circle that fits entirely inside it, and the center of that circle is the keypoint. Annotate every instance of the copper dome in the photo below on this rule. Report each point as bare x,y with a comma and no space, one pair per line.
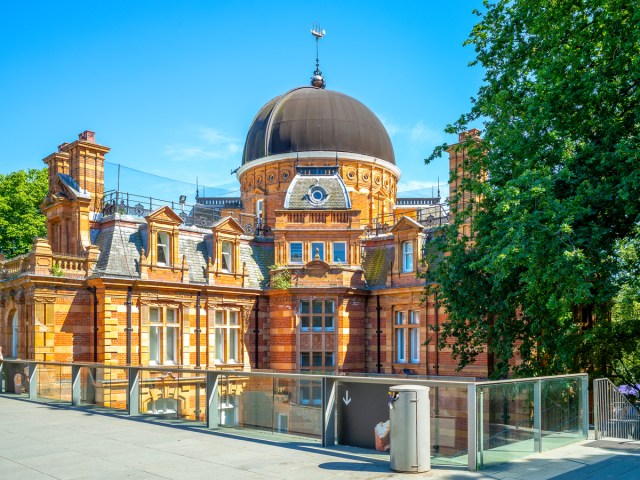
309,119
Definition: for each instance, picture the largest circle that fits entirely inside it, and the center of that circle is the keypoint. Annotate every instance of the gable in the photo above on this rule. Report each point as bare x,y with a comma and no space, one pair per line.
164,216
406,224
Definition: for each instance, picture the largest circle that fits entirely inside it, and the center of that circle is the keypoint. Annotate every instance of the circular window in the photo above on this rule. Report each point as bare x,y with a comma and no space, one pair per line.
259,180
351,175
271,177
317,195
365,177
285,175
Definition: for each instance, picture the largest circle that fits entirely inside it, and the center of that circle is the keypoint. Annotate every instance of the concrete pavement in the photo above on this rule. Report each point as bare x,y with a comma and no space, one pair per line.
43,441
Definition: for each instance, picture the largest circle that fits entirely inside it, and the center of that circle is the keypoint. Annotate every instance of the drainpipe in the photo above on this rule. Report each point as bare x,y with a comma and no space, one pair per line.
129,329
435,301
378,332
256,330
94,292
197,329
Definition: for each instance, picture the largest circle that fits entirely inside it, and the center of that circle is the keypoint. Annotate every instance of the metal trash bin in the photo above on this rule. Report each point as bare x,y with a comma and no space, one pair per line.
409,415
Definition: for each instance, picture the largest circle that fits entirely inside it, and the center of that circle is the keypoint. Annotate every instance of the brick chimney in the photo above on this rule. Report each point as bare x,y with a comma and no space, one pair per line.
84,161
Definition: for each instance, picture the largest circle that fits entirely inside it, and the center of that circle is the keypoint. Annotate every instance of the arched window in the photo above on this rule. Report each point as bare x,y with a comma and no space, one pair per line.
407,256
14,335
163,249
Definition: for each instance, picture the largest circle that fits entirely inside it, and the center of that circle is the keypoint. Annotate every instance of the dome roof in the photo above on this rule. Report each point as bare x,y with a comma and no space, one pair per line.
309,119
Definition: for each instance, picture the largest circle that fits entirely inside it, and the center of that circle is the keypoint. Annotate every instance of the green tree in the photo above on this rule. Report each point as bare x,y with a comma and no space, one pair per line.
558,174
21,194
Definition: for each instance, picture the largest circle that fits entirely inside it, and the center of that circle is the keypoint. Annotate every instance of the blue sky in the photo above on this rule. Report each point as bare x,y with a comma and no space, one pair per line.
172,87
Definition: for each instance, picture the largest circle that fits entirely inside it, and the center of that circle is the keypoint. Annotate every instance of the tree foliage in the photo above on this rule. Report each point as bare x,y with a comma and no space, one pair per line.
21,194
558,174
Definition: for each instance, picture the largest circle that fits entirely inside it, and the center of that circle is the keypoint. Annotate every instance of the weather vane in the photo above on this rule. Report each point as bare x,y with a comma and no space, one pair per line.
317,80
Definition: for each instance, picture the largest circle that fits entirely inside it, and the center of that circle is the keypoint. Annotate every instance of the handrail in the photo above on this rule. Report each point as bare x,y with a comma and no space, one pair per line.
614,415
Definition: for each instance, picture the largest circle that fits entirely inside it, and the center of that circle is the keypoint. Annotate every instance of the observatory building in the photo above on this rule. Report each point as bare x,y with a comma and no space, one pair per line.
313,268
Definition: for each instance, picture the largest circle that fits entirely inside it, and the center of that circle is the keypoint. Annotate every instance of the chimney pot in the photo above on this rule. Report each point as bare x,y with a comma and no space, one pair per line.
87,136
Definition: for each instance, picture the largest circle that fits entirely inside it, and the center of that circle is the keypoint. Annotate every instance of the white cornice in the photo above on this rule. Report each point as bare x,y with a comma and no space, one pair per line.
319,154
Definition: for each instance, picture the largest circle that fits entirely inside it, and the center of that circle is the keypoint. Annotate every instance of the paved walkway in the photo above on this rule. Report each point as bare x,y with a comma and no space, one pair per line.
40,441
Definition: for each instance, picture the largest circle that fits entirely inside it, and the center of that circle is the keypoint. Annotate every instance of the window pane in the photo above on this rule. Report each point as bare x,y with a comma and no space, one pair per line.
171,355
295,252
304,323
317,306
154,345
154,315
233,318
407,256
317,323
304,307
414,334
233,345
226,256
220,344
328,323
339,252
328,306
171,316
414,317
163,248
400,345
304,359
317,250
316,392
317,359
400,318
219,318
328,360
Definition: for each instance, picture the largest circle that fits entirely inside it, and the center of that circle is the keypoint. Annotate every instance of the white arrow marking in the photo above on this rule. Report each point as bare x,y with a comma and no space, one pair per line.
346,398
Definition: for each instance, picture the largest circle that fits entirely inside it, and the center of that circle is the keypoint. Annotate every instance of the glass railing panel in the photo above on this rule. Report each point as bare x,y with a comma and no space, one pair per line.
54,383
192,396
298,407
159,393
448,407
111,387
505,422
561,412
245,402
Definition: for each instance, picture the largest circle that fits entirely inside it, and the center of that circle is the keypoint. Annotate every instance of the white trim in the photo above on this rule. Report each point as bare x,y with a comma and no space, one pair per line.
342,156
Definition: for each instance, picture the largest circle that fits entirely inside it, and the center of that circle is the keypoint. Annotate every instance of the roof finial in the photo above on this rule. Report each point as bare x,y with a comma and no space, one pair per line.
317,80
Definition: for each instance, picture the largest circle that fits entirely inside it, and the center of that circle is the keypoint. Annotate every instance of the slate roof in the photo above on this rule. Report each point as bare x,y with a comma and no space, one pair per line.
375,263
197,253
259,257
332,193
120,249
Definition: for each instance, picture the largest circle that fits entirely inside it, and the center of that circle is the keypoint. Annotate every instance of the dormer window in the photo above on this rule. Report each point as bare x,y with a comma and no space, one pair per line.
163,248
227,257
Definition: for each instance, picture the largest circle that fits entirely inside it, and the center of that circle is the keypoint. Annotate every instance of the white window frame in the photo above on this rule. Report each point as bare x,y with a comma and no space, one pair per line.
291,260
407,336
407,256
227,336
226,253
167,336
333,252
163,243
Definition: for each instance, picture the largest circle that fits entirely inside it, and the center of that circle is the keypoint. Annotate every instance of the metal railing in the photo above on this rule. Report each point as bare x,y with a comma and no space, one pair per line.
306,404
614,416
